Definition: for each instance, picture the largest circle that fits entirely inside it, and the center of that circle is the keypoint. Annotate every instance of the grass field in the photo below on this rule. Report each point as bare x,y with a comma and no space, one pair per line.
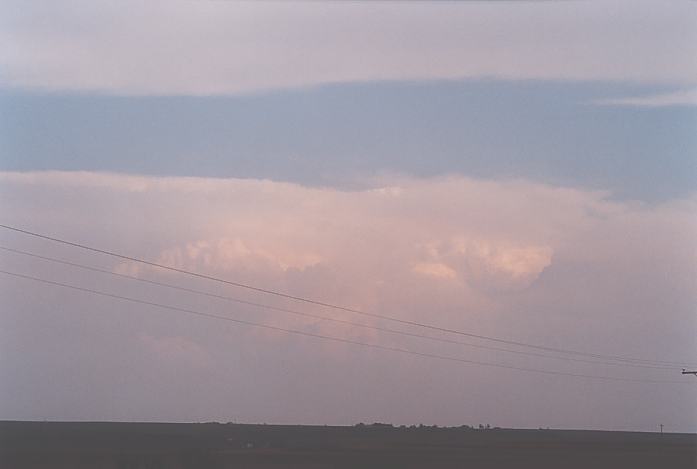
165,445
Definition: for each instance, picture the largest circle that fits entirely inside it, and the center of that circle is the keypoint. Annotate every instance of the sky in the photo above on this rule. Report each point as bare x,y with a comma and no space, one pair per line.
518,170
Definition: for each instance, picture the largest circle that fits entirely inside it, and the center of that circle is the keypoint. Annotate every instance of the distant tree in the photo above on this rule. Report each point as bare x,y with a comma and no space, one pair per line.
380,424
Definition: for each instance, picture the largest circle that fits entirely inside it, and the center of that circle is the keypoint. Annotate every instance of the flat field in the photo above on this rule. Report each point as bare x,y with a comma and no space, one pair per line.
174,445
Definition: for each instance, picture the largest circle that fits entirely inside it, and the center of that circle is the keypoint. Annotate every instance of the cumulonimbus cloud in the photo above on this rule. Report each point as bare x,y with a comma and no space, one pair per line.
510,258
483,237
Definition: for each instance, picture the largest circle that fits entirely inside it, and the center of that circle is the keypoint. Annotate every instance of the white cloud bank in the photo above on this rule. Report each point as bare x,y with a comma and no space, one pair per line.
206,48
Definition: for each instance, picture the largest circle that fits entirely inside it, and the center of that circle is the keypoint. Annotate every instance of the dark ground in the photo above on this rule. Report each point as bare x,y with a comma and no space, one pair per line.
155,445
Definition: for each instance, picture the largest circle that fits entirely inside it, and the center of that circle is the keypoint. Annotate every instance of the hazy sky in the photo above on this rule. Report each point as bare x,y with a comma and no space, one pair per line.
522,170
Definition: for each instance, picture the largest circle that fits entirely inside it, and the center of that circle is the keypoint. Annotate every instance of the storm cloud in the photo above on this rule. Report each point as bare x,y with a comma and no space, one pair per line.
509,258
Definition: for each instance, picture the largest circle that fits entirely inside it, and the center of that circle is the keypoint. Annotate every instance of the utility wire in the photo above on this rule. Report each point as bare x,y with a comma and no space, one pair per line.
332,338
343,308
324,318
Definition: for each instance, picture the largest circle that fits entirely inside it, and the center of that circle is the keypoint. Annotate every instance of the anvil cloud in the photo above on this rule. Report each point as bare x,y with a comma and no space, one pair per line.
212,48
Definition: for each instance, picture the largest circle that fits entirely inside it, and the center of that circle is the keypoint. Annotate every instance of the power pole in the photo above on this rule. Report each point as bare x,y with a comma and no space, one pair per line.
661,429
686,372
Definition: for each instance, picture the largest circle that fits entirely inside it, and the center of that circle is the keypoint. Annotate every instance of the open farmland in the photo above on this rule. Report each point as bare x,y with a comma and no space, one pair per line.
165,445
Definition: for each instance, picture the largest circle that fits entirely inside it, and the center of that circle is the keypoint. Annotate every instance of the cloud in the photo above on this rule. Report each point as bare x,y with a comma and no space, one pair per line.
231,254
291,228
486,236
499,266
678,98
204,48
557,266
434,269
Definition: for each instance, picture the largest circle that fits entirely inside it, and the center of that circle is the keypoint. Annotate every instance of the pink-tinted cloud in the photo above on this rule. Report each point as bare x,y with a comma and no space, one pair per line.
531,262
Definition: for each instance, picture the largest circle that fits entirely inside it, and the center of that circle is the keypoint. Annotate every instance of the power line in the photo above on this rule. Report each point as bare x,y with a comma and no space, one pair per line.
332,338
324,318
320,317
343,308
